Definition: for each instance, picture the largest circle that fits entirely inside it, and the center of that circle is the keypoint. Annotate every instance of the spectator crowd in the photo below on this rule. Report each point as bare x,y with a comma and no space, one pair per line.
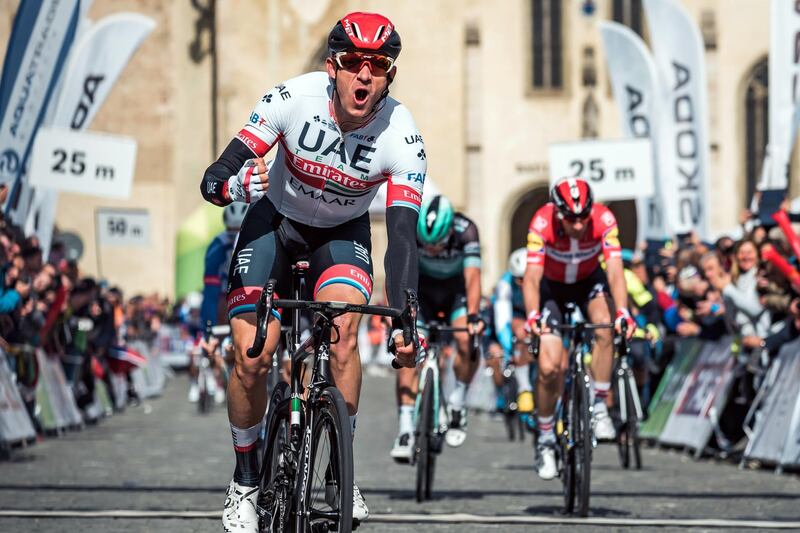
83,322
746,287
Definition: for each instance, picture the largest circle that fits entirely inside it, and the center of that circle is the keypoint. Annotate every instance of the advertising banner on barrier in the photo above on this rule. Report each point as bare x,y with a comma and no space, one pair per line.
55,396
663,402
99,57
702,397
15,424
616,170
774,416
791,448
150,379
634,81
40,41
173,346
683,121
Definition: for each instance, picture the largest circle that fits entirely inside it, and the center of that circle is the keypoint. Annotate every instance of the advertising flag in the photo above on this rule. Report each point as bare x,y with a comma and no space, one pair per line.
683,116
784,81
634,82
40,40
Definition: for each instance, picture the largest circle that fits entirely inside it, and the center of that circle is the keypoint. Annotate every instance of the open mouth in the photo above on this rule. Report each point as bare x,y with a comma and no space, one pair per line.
361,96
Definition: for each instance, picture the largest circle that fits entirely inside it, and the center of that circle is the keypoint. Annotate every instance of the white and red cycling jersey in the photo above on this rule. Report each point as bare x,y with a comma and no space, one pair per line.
321,176
568,260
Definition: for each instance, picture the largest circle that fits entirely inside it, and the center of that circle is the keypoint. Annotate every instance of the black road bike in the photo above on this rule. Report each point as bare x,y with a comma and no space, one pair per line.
574,415
430,413
626,397
306,478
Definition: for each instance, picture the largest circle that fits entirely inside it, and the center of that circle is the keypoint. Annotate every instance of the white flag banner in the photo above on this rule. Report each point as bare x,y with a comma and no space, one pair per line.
634,82
683,116
40,41
99,57
784,89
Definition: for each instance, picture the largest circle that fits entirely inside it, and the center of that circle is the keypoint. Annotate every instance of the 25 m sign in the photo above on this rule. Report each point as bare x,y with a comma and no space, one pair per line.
85,163
616,170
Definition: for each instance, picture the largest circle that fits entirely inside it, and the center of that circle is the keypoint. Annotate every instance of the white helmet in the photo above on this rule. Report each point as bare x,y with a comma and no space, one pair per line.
518,262
233,215
194,300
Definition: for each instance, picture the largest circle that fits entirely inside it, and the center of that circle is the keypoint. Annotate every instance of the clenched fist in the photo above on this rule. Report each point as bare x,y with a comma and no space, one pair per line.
251,183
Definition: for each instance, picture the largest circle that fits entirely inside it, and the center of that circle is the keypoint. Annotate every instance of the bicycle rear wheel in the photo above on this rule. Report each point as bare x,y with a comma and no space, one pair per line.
424,453
582,423
274,495
325,486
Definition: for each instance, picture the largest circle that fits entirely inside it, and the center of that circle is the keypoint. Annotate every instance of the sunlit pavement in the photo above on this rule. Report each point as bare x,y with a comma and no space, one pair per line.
164,467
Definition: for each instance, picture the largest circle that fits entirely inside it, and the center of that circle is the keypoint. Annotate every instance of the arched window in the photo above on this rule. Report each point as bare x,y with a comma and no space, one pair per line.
756,125
523,213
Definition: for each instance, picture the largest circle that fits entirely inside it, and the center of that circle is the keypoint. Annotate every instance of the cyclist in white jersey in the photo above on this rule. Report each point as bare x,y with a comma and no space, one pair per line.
337,136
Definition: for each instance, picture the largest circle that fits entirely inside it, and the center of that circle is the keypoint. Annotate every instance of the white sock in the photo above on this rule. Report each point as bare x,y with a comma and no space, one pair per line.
523,375
601,389
353,425
406,419
458,396
245,439
546,424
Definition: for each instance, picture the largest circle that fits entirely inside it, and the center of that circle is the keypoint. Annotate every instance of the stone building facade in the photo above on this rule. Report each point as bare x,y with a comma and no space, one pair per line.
491,85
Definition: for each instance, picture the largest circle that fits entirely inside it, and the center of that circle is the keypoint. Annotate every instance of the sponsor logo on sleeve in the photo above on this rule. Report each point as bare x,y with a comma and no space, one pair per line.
256,145
611,238
535,243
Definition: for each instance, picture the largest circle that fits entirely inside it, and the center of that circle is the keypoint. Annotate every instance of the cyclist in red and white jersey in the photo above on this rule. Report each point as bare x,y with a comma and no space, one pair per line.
565,239
337,136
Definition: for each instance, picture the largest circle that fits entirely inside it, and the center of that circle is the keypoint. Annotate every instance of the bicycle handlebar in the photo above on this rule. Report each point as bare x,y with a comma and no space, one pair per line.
266,302
622,339
475,338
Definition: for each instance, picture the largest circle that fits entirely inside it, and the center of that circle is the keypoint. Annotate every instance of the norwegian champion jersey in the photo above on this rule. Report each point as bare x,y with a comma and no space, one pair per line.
323,177
463,250
568,260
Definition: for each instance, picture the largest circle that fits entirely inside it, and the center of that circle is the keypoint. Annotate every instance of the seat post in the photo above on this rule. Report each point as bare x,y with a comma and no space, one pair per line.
299,270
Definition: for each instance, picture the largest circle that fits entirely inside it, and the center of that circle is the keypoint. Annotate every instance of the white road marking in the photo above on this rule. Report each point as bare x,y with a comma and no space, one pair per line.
450,518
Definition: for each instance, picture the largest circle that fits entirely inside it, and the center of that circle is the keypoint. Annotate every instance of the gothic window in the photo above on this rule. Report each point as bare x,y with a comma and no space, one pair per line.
547,44
629,13
756,125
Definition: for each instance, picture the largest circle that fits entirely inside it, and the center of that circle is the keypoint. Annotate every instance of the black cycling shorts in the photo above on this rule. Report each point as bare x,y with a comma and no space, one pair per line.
555,296
442,298
269,243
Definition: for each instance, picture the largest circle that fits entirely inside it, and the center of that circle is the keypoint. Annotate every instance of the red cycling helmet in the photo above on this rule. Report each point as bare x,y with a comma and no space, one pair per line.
364,31
572,197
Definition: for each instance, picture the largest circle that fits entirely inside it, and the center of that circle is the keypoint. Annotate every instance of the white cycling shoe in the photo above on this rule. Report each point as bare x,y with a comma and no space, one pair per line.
403,448
194,393
546,466
603,426
240,515
360,509
457,430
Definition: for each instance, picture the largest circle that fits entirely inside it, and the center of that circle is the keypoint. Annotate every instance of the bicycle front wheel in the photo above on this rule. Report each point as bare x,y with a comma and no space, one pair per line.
424,432
274,494
325,486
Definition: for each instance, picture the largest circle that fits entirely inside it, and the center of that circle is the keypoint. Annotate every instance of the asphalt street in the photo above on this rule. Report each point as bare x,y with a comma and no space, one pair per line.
164,467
